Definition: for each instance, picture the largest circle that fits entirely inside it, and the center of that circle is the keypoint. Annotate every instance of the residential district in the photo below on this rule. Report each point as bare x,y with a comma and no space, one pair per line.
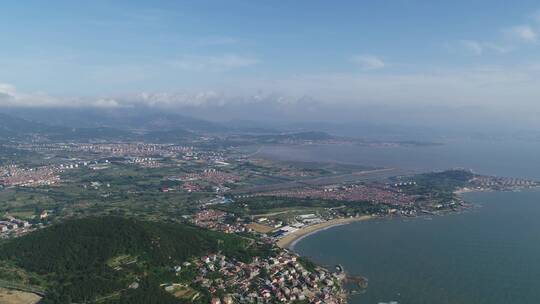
282,278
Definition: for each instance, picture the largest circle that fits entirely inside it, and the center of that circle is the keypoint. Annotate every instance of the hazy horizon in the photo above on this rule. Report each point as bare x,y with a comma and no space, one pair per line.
400,62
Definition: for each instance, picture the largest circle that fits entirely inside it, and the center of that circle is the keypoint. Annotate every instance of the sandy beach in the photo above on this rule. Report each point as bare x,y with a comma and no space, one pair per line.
464,190
291,238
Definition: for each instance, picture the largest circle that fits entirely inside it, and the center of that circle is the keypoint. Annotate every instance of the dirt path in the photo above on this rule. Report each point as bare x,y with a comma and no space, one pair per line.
8,296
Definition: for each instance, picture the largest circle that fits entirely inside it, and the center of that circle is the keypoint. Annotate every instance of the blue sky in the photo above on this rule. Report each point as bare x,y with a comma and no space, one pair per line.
360,52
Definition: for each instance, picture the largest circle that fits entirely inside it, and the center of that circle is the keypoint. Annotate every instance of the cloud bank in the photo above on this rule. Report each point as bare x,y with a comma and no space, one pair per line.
490,86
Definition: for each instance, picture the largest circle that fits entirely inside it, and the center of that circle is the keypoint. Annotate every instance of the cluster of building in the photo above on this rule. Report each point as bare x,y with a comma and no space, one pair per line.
282,278
404,184
219,221
29,177
13,226
211,175
111,149
145,162
191,187
217,158
134,150
379,194
501,183
209,178
279,229
13,175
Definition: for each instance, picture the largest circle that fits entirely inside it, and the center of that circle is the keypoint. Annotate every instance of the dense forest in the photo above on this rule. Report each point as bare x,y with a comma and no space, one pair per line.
91,258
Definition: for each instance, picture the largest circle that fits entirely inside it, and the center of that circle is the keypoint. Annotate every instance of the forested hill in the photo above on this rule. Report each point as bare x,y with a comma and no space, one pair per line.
81,258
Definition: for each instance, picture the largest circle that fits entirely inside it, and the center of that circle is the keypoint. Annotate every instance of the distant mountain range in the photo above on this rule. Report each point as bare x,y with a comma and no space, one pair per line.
146,119
133,124
12,127
87,124
17,128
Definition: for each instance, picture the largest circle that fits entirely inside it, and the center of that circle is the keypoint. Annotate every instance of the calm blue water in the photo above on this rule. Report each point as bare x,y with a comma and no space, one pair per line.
503,158
489,255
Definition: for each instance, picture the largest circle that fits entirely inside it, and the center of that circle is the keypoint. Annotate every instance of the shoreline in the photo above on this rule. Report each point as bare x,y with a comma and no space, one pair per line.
288,241
459,192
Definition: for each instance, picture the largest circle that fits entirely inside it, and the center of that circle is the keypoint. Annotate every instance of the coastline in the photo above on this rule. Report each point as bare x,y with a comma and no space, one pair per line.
288,241
459,192
464,190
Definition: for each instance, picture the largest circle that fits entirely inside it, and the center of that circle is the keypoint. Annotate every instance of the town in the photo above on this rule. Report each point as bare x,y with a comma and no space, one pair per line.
281,278
375,193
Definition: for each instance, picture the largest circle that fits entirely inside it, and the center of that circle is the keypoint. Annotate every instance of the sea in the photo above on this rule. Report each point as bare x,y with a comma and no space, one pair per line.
504,158
489,254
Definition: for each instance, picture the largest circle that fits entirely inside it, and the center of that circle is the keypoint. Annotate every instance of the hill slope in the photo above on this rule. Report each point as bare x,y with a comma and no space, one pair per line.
12,127
86,259
140,118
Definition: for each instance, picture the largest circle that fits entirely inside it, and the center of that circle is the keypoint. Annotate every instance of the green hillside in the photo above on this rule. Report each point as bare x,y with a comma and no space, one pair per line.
87,259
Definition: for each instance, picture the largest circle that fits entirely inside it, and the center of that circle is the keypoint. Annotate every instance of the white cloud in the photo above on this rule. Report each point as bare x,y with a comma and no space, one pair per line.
7,90
211,98
472,47
477,48
490,86
523,33
106,103
177,99
368,62
11,97
515,35
213,63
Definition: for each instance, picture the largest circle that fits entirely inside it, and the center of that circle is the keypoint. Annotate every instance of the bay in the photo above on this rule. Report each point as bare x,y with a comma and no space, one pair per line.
502,158
490,254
